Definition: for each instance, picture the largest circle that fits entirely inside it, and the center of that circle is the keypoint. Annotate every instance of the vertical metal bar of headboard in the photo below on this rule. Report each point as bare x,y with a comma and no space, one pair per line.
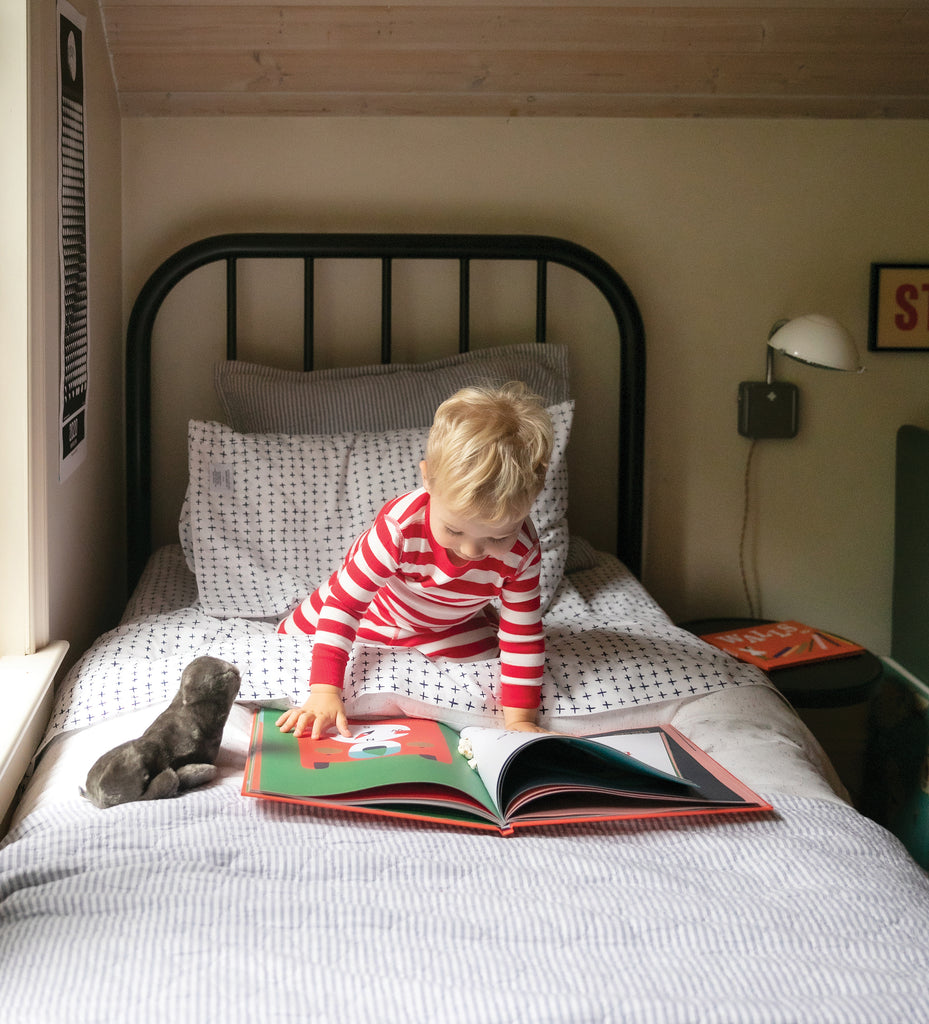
464,305
309,311
386,308
231,297
541,300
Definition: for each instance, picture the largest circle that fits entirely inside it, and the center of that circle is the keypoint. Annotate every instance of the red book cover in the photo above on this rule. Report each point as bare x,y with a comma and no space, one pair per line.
775,645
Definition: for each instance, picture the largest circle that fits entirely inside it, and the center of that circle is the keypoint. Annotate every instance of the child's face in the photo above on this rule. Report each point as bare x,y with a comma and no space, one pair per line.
469,538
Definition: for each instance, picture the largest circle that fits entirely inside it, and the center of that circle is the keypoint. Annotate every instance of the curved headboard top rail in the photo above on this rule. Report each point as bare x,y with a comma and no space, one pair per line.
540,249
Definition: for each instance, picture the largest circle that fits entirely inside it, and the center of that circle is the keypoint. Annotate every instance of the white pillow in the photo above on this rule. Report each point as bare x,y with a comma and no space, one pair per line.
272,515
265,400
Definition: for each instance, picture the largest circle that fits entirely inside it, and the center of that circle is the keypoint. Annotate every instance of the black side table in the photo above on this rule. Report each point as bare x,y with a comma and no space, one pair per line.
832,697
834,683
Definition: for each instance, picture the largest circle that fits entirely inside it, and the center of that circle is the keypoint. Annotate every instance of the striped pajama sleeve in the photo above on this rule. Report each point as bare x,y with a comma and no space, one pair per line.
522,641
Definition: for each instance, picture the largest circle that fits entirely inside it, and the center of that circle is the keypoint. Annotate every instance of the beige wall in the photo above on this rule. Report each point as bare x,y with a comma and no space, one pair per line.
83,572
719,227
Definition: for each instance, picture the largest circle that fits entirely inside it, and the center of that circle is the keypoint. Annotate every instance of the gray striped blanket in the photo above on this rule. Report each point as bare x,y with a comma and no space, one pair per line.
212,907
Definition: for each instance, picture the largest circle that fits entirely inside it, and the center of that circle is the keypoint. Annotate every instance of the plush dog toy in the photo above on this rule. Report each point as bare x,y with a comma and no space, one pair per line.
178,750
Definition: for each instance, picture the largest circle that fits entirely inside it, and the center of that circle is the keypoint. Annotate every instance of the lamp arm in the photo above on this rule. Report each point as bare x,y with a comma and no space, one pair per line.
769,367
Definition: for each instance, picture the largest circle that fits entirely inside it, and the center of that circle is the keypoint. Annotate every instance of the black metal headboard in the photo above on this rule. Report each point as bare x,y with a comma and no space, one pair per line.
541,250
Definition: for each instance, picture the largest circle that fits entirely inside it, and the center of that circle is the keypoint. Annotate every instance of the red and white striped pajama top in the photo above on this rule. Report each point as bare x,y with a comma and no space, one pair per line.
398,587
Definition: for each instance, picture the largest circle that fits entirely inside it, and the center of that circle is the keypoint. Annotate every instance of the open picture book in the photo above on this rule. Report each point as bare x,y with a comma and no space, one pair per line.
491,778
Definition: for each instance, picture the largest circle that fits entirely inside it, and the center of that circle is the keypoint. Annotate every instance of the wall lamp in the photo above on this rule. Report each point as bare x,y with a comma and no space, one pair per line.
769,408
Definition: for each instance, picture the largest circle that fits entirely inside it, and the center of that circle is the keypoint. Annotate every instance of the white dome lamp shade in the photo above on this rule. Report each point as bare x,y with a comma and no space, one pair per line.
814,339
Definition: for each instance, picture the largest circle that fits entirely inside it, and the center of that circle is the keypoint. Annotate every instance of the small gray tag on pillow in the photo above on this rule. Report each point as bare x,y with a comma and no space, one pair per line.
222,479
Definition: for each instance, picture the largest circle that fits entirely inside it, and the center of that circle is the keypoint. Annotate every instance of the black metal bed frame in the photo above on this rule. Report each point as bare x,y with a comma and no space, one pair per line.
542,250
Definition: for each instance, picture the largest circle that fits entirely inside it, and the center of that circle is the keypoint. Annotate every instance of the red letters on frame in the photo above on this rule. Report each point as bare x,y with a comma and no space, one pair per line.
899,313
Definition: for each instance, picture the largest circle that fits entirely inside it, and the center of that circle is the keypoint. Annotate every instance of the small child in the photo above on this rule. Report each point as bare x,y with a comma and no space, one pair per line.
425,573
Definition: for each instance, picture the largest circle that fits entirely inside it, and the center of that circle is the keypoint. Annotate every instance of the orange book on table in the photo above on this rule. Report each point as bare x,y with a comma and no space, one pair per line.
774,645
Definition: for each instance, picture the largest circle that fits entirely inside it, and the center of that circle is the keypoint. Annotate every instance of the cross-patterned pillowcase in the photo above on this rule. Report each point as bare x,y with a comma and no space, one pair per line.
270,516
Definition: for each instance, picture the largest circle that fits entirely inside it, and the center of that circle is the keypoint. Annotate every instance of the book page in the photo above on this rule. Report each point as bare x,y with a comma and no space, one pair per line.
489,751
401,753
647,747
493,751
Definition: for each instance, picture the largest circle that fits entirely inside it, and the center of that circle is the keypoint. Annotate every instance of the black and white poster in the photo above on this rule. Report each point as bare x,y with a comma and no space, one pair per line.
72,209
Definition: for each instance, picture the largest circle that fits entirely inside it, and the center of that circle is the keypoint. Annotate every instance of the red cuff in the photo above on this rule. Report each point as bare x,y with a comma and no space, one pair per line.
514,696
328,665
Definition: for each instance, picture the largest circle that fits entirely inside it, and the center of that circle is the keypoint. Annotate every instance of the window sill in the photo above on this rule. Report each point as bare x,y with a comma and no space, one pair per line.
26,690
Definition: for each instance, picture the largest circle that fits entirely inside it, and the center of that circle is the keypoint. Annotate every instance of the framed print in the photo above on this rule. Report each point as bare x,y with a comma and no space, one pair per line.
72,241
898,320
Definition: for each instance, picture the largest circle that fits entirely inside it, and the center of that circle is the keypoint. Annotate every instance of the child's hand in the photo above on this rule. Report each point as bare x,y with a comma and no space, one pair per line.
521,720
322,710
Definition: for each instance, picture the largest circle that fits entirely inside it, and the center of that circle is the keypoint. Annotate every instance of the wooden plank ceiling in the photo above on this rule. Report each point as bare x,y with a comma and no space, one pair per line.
711,58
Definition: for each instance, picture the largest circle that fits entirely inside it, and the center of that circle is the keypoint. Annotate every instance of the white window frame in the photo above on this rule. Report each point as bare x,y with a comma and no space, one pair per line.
28,663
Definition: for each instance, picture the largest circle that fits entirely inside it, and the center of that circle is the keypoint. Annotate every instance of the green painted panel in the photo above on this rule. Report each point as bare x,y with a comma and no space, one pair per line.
910,636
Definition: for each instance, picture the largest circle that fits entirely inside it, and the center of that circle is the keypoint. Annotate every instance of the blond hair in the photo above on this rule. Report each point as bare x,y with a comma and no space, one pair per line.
488,451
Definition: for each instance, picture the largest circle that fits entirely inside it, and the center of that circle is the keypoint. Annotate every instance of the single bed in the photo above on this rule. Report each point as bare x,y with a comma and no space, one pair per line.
212,906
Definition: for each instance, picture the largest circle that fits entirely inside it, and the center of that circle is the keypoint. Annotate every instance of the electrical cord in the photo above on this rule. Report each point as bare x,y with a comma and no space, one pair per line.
746,502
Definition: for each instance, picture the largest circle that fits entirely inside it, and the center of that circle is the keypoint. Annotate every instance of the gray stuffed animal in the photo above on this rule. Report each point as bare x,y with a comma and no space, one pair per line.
178,750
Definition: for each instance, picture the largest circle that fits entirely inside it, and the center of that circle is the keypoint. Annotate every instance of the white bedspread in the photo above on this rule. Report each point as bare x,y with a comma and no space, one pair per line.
612,655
